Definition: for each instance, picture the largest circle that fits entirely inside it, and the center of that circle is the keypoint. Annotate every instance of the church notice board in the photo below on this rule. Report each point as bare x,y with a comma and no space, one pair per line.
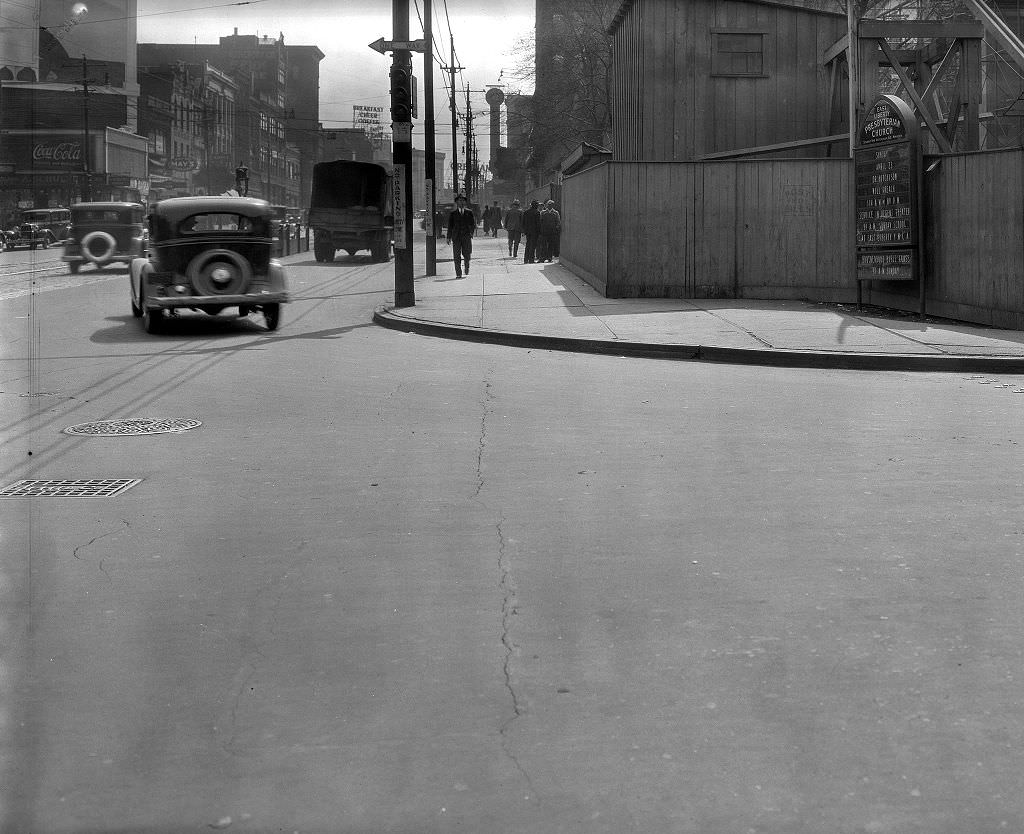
888,169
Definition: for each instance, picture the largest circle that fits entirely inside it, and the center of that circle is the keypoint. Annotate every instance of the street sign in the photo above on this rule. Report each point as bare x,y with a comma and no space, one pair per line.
398,205
380,45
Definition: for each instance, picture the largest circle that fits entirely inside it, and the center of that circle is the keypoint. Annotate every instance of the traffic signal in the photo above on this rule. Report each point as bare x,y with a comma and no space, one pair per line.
401,94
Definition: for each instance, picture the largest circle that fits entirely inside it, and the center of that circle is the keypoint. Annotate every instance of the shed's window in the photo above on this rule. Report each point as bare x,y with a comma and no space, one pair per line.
737,53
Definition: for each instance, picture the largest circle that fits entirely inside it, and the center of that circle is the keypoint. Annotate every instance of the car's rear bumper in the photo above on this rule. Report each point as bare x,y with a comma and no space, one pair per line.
168,302
123,258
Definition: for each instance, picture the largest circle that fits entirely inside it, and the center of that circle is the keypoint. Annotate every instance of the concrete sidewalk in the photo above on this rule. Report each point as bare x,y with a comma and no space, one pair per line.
547,306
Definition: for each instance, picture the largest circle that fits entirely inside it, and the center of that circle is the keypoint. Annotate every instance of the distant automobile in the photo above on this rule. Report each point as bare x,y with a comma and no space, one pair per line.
42,227
104,233
207,254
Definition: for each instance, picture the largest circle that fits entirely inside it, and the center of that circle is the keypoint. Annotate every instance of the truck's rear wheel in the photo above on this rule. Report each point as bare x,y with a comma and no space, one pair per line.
323,250
381,251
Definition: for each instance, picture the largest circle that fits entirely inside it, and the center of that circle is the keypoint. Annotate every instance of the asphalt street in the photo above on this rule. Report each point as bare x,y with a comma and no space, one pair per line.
398,583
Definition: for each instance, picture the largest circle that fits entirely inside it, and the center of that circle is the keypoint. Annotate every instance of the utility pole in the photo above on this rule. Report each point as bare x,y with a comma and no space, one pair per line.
469,145
452,69
429,166
86,172
401,143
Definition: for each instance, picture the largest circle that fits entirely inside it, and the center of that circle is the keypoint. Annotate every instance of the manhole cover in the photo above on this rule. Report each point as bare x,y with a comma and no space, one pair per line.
79,488
116,428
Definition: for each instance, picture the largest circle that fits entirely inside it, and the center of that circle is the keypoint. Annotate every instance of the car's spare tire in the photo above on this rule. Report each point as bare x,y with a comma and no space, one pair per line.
98,247
219,272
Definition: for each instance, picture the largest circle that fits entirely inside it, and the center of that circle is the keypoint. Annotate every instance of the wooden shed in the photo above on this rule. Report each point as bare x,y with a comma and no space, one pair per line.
701,77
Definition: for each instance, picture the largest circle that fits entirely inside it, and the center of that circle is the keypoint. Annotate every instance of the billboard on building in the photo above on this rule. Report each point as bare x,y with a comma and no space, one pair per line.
370,119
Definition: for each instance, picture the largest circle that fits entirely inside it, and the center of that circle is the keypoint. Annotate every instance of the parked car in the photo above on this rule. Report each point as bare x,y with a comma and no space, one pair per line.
105,233
43,227
207,254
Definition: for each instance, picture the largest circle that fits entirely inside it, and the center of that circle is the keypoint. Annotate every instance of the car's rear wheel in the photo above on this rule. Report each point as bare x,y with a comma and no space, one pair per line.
272,315
219,272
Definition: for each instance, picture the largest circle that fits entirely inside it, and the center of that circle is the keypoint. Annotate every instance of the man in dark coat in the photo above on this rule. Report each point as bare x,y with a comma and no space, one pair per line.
531,229
550,232
461,229
495,222
513,223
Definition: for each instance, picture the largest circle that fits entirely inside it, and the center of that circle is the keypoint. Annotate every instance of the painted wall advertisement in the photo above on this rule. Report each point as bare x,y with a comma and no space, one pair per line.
55,152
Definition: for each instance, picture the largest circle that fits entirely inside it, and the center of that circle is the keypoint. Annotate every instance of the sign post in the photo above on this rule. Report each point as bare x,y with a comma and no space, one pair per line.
402,113
887,161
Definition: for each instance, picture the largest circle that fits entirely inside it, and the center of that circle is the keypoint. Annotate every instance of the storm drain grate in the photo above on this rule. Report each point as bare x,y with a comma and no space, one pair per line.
79,488
118,428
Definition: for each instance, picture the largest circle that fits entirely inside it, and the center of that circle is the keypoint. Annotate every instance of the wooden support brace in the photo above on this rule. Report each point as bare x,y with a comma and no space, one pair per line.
933,128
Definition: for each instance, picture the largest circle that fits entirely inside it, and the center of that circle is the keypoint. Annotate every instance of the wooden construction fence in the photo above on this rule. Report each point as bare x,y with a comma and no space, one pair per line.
739,228
974,222
783,229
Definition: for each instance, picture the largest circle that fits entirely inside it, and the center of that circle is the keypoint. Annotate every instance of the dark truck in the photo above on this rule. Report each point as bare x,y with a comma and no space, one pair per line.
350,209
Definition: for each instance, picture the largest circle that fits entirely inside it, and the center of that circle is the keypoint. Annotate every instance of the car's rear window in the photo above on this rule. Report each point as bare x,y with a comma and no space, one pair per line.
99,216
215,222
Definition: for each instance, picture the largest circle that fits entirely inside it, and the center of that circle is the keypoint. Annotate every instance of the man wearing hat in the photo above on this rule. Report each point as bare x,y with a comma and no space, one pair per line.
461,229
550,232
513,223
531,228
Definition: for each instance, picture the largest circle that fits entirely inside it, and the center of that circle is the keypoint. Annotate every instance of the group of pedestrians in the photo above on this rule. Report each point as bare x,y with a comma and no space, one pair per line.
540,225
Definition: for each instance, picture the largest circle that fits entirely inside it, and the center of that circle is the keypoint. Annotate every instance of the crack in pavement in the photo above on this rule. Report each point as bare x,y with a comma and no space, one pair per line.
508,611
90,543
482,441
507,586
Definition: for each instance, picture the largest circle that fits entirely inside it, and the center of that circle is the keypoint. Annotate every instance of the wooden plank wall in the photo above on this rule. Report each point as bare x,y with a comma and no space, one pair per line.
974,214
584,244
783,229
628,67
750,228
668,106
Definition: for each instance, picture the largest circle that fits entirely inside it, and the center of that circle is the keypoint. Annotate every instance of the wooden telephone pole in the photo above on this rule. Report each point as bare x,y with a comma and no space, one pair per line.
401,143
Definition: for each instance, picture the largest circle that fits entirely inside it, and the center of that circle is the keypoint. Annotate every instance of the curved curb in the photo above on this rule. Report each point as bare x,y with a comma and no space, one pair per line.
387,317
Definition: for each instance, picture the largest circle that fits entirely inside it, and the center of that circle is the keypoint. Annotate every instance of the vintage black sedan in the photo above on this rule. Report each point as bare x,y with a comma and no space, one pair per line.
104,233
41,227
207,254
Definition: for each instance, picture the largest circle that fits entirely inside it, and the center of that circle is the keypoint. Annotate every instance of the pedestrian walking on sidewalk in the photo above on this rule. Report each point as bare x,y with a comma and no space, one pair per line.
513,223
495,218
531,230
461,230
550,232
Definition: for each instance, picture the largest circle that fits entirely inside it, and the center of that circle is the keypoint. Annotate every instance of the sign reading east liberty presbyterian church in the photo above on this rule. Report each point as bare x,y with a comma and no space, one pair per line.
887,170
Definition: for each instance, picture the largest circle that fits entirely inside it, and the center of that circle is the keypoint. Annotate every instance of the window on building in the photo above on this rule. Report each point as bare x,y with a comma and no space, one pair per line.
738,53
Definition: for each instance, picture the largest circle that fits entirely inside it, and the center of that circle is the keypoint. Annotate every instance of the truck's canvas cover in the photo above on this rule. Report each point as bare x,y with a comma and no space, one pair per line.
347,185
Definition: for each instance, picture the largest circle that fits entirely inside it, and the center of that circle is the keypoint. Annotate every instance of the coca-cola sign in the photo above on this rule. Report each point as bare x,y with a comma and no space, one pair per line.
47,152
57,154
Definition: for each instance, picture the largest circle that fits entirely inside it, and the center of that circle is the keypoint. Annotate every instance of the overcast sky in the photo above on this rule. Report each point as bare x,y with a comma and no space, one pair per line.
485,33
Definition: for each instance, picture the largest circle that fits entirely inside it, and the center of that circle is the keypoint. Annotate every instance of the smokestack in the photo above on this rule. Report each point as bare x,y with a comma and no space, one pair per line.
494,98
